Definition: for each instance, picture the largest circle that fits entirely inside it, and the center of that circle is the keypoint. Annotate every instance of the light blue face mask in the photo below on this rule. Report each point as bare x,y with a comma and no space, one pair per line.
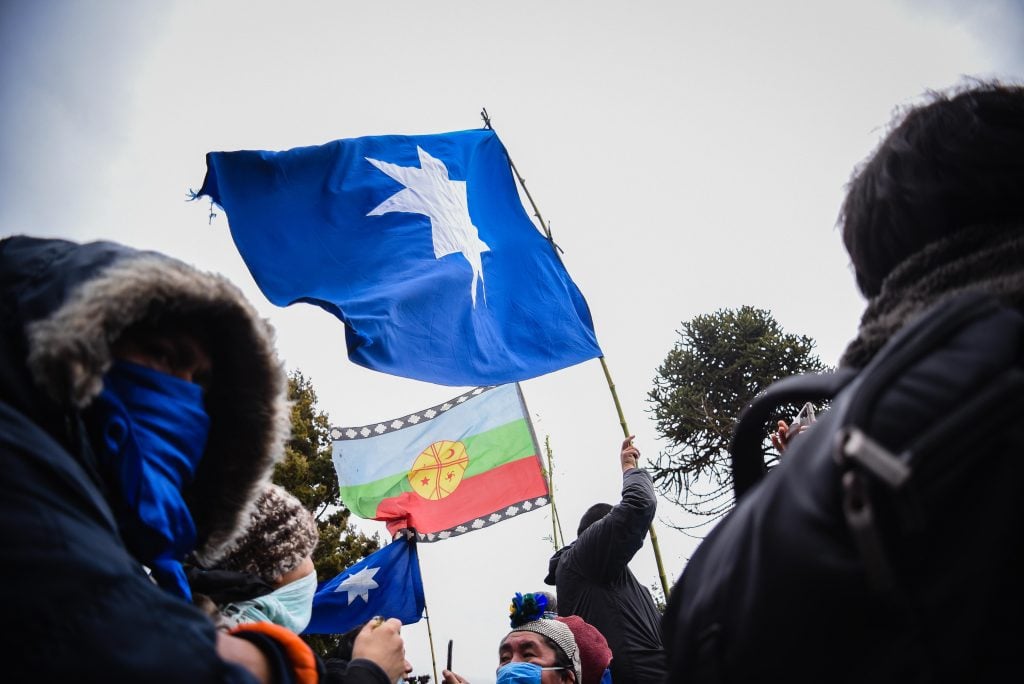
522,673
290,606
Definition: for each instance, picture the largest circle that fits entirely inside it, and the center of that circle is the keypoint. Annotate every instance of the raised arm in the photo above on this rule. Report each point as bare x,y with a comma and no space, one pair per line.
605,548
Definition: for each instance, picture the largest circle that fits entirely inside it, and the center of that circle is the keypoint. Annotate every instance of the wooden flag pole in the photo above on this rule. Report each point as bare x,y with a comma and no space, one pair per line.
626,433
522,183
557,537
430,637
426,616
611,385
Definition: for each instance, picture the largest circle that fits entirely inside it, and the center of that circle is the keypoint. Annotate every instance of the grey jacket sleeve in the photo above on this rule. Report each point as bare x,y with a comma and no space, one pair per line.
606,547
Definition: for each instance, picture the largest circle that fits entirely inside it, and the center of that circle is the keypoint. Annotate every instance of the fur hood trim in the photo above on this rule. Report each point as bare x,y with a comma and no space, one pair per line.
247,400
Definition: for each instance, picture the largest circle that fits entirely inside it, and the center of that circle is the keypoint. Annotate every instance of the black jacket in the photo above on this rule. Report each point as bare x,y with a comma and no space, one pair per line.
78,605
593,580
842,569
358,671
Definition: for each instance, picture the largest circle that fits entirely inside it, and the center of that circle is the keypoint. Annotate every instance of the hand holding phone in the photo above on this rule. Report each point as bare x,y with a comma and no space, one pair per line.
785,433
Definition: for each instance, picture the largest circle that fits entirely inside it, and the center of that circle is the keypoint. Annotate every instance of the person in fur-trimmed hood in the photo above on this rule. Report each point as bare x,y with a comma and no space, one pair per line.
142,407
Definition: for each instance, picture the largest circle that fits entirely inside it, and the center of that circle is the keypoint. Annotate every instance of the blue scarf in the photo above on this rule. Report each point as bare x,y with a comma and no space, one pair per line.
151,429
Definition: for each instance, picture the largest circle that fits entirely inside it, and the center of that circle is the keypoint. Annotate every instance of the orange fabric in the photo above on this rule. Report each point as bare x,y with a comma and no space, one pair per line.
300,655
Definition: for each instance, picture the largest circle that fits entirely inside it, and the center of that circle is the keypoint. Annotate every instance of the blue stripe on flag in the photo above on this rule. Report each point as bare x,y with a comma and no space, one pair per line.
359,461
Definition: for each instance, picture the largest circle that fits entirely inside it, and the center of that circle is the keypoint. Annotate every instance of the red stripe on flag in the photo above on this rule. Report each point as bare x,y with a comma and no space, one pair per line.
475,497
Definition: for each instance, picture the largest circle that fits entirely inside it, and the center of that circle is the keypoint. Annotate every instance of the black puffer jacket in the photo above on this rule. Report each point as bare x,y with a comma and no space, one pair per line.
78,606
593,580
787,586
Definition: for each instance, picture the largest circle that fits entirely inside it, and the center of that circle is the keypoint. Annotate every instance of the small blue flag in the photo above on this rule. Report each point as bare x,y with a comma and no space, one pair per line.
385,583
419,244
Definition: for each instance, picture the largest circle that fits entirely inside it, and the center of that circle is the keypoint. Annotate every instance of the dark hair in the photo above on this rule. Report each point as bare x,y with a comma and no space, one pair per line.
561,659
955,162
593,514
552,606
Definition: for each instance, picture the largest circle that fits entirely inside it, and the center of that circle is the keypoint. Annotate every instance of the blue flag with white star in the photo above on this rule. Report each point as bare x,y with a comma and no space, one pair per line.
385,583
419,244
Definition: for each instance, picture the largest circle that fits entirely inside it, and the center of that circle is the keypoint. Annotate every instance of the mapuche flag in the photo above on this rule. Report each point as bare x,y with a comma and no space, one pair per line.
387,582
419,244
453,468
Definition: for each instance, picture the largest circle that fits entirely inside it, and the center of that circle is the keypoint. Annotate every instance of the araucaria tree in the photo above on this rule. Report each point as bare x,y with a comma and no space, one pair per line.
720,363
308,472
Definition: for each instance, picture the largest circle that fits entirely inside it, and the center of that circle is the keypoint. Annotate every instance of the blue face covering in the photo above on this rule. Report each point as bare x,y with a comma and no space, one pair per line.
522,673
150,429
290,606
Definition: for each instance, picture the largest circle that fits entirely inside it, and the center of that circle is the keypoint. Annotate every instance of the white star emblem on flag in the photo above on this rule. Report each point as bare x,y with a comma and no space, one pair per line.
359,585
429,191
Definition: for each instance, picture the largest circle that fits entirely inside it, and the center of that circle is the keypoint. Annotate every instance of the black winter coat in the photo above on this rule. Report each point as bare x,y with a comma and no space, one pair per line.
593,581
77,605
813,577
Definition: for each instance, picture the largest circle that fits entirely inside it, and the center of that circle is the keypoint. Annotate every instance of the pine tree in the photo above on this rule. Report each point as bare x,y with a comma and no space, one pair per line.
720,363
308,472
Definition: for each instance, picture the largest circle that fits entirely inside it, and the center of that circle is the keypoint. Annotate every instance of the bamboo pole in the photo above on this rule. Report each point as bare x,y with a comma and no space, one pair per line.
625,433
611,385
522,183
557,538
426,614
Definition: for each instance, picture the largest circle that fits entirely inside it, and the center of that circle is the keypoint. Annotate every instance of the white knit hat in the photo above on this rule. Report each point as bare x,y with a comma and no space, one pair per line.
525,606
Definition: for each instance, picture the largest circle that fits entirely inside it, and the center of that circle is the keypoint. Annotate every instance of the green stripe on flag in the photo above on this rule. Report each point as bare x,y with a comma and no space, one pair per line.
363,499
503,444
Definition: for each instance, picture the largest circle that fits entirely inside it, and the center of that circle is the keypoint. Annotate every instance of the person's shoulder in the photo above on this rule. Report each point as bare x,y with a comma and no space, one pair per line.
559,556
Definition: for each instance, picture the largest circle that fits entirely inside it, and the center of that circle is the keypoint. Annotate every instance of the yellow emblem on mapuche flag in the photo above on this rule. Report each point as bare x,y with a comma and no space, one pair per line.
438,470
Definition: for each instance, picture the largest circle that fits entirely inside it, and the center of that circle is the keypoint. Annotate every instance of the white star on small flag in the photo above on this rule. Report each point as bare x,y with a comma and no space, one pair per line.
359,585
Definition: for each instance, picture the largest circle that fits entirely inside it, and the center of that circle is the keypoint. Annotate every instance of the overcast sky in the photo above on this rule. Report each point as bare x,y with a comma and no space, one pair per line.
690,156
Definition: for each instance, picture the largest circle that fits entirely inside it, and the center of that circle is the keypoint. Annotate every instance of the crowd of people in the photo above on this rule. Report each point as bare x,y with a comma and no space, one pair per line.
143,408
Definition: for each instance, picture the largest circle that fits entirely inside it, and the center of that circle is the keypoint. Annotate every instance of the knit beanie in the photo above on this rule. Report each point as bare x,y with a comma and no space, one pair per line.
280,533
527,614
595,654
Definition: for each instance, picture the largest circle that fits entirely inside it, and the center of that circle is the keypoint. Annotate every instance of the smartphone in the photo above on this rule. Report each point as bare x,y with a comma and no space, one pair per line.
806,416
449,668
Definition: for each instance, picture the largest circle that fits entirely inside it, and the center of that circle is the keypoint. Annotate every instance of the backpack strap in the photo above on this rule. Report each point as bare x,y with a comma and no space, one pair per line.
866,464
915,340
748,466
